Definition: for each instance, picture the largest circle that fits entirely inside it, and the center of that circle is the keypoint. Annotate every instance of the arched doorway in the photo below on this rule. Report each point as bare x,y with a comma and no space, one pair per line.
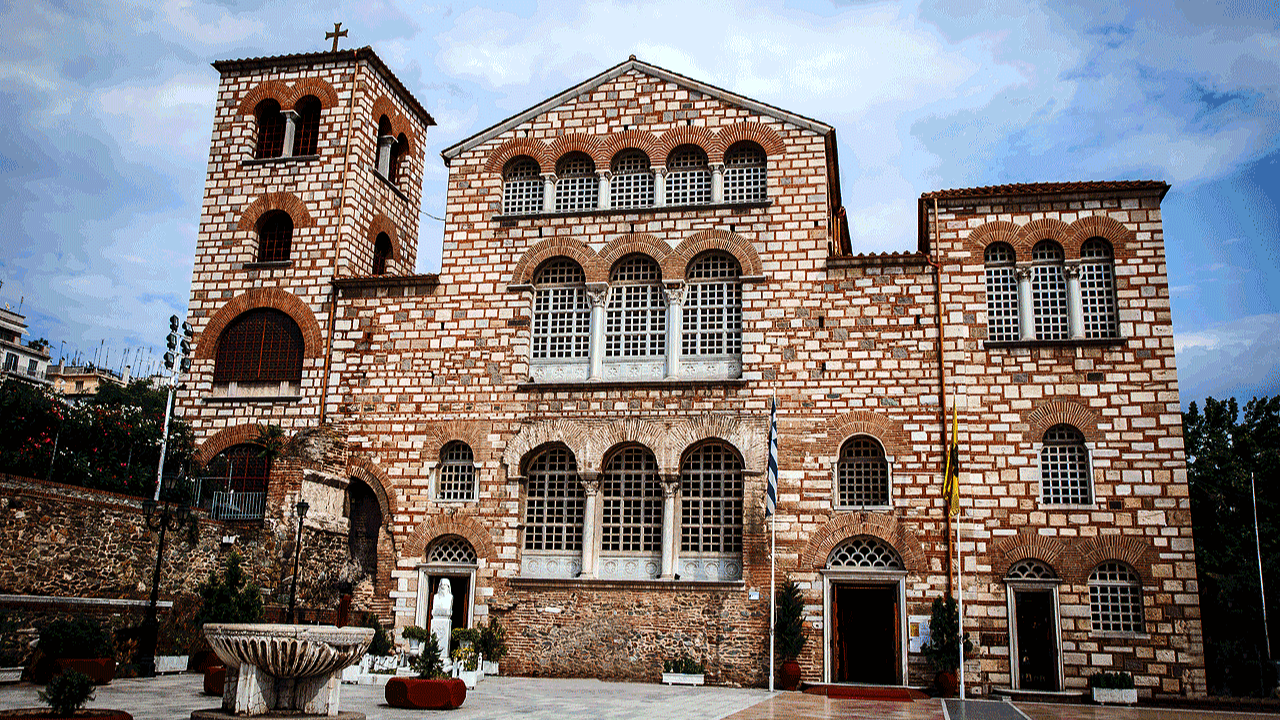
1035,648
865,610
365,522
448,557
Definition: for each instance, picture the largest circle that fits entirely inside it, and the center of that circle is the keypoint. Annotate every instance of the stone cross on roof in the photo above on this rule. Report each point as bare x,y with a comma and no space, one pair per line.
338,32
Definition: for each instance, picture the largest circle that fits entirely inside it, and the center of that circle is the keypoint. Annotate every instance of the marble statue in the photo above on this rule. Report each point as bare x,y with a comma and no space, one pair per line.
442,618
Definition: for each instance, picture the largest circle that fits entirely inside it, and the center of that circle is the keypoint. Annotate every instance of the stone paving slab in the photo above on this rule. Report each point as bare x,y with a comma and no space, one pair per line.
982,710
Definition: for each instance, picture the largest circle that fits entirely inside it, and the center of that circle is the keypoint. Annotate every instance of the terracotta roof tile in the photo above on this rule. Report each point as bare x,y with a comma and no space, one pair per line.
1048,188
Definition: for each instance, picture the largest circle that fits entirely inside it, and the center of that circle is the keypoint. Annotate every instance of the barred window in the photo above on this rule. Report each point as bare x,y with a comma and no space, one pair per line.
457,473
632,496
521,186
632,183
576,185
711,500
1064,468
744,174
1030,569
865,552
862,474
561,311
381,254
306,137
1098,289
239,468
270,130
261,345
636,319
554,502
713,306
1115,598
1002,293
452,550
275,236
1049,291
688,176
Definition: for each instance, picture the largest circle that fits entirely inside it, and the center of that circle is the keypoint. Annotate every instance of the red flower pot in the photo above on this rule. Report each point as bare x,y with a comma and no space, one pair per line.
99,670
215,676
948,683
43,714
423,694
789,675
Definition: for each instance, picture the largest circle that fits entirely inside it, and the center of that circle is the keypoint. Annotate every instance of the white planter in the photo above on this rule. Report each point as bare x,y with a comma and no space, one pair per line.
468,678
10,674
683,679
1112,696
490,668
171,663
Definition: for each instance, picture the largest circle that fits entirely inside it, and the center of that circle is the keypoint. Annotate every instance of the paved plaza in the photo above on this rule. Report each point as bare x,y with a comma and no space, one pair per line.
174,697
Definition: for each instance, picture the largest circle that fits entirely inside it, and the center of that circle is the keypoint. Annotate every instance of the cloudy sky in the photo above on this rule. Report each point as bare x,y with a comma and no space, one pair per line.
107,111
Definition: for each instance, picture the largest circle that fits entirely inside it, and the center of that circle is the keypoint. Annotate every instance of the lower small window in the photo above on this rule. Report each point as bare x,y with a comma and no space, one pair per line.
1115,598
457,473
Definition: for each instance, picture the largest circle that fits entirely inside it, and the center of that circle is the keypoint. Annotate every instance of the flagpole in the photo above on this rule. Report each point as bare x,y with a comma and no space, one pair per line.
771,476
773,593
1262,585
960,593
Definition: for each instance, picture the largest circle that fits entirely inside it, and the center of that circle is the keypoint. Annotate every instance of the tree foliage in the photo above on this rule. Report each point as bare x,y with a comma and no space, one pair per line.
230,598
943,648
789,623
1226,447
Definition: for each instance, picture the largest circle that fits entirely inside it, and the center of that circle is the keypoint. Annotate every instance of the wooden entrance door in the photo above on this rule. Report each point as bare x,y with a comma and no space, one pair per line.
1037,639
866,634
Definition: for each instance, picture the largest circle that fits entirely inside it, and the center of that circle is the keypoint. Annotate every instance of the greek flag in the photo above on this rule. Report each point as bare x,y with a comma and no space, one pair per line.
771,489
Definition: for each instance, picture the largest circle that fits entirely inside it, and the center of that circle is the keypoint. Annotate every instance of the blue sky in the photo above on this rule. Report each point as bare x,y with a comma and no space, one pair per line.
107,110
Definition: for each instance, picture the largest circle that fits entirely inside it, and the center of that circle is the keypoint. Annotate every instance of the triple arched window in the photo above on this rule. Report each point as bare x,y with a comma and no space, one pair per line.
1049,297
287,133
262,347
1065,477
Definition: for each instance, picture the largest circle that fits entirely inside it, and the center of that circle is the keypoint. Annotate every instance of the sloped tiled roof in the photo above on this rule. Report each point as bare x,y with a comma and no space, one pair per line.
1048,188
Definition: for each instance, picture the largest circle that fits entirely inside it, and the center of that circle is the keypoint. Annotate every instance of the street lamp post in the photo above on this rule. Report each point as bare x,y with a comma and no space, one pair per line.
172,519
301,508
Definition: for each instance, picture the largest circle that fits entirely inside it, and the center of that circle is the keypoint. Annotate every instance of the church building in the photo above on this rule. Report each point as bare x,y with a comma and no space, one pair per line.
570,421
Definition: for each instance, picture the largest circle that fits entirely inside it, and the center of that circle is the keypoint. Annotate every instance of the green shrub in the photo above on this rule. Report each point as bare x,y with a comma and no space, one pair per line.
67,693
493,641
684,665
381,644
789,623
1111,681
413,632
428,665
465,636
943,648
230,598
78,638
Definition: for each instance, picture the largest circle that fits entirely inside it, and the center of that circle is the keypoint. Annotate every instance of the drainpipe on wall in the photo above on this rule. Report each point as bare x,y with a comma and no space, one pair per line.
942,377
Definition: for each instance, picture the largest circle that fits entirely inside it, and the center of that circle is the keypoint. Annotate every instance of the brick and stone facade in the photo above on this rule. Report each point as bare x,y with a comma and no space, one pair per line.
667,440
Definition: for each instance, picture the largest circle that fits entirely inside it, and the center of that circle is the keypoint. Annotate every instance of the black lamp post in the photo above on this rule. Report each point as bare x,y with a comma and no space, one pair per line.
170,518
301,508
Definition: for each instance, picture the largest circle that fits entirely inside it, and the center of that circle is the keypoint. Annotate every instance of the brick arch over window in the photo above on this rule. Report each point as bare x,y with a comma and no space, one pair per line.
1107,228
274,89
645,244
993,232
225,438
274,298
475,433
547,432
685,135
316,87
624,433
1027,544
382,224
1037,230
559,247
433,528
400,125
758,133
698,243
888,432
885,527
519,146
1092,552
370,474
576,142
642,140
287,202
1061,412
749,438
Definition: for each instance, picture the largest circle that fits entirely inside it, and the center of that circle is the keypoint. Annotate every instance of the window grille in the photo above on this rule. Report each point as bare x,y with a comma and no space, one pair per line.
235,484
1115,599
381,254
270,130
11,362
1030,569
1049,291
711,500
713,306
632,182
522,187
1064,468
452,550
561,312
275,236
1098,289
554,503
632,496
1002,294
636,319
307,135
261,345
744,174
457,473
688,177
862,475
865,552
576,184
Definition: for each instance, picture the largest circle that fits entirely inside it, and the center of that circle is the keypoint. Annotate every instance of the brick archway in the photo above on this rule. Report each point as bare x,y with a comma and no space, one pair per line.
1092,552
732,243
879,525
1028,544
288,202
553,247
886,431
515,147
434,527
370,474
274,298
227,437
1061,412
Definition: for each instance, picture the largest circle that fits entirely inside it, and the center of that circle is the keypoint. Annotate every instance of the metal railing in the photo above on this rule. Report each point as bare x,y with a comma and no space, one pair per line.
232,505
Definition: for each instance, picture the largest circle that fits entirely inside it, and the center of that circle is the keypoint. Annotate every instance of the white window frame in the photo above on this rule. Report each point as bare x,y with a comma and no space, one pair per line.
688,177
1000,277
1012,586
577,187
1088,471
746,181
835,476
630,186
1097,272
523,194
712,314
1049,296
437,475
1140,599
560,323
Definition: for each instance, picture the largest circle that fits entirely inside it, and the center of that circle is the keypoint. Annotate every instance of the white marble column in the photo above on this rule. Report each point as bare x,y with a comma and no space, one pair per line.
1075,303
603,179
659,186
598,292
674,291
591,518
1026,311
670,525
717,182
385,144
548,192
290,131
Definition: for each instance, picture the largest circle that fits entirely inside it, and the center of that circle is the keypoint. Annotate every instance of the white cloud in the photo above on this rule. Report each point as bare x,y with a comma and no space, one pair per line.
174,115
1240,358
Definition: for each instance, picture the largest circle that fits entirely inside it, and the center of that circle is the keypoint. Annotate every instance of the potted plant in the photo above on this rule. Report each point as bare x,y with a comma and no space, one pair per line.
12,652
466,664
468,638
230,598
492,646
178,634
789,633
943,648
66,696
81,645
683,670
431,689
1113,688
416,637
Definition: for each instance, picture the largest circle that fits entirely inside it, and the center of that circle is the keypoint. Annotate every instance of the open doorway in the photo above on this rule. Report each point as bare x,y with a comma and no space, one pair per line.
1037,638
866,634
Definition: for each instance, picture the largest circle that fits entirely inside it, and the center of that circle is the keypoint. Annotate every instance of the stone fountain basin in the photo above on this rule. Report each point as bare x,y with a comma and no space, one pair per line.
288,651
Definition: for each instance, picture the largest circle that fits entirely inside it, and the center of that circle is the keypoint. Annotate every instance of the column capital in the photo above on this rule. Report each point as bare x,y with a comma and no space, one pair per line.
590,482
670,484
549,177
659,170
1023,272
291,114
598,292
1071,270
716,167
605,174
674,290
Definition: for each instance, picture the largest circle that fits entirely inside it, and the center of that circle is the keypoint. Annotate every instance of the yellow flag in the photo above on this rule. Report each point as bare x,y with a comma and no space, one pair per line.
951,469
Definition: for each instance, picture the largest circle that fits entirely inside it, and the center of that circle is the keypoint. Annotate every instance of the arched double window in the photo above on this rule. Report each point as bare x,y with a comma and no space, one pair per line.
711,512
576,184
381,253
307,134
554,503
744,173
457,477
1002,293
636,319
259,346
862,474
1098,289
275,236
561,312
1115,599
688,176
270,130
521,186
1064,468
713,306
631,184
1049,291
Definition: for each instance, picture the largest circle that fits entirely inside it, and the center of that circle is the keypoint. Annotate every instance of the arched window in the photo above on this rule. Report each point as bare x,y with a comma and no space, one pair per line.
576,185
395,167
1002,293
1064,468
365,521
275,236
632,181
554,502
744,174
234,485
1049,291
688,176
713,306
862,474
451,550
260,345
270,130
632,501
636,319
1115,599
306,139
1098,289
521,186
865,552
381,254
711,509
457,473
561,312
1030,570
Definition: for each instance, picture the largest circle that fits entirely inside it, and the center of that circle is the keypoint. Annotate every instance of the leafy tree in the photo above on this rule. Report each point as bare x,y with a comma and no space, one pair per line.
1226,448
